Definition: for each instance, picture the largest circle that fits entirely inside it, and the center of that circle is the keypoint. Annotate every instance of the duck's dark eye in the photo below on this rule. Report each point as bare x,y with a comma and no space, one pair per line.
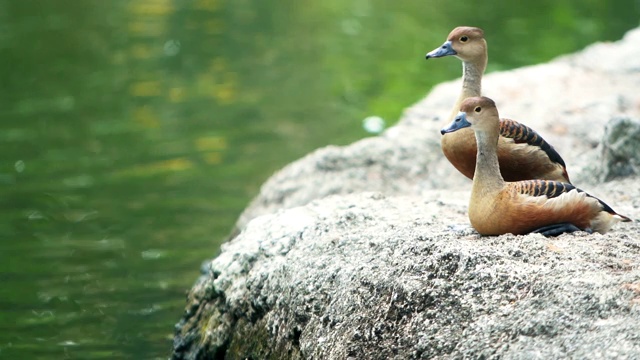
477,109
464,38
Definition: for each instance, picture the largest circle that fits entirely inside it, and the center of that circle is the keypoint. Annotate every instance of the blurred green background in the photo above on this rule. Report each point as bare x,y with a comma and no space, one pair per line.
134,132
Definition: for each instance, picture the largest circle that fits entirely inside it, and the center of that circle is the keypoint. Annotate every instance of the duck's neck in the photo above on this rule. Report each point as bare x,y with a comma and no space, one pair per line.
487,177
472,79
471,83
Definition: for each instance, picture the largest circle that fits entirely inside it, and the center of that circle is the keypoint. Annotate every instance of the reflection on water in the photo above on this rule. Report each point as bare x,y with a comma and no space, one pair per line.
133,132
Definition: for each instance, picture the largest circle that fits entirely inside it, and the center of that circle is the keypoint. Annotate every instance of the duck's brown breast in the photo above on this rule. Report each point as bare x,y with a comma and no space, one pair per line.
460,149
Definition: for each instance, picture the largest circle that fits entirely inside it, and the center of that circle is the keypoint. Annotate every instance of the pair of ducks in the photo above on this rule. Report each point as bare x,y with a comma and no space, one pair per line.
520,183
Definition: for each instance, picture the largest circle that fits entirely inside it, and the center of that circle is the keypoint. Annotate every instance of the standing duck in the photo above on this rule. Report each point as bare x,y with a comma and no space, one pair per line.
544,206
523,154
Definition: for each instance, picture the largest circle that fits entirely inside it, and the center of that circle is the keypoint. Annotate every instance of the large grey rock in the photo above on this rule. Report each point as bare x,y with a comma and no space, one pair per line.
620,149
365,276
568,100
397,273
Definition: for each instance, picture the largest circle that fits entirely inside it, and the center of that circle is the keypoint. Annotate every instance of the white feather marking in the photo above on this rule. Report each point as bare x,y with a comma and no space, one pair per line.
603,222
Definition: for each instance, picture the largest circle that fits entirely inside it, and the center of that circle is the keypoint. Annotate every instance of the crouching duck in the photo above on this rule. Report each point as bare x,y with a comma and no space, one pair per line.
544,206
522,153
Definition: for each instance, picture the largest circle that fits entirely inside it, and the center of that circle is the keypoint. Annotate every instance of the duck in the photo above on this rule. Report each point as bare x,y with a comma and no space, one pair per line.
499,207
522,153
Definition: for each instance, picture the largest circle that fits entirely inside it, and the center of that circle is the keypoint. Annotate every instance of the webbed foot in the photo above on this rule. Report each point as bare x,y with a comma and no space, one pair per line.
558,229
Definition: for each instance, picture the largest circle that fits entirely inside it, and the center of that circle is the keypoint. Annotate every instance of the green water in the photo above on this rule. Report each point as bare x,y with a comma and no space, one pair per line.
133,133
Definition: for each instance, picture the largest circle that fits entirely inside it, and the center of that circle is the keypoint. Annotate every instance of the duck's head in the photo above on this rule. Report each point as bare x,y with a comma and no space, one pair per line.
480,113
465,42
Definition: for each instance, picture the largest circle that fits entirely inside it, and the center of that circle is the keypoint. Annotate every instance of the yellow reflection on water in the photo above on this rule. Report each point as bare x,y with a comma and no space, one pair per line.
211,143
146,88
158,167
157,7
144,116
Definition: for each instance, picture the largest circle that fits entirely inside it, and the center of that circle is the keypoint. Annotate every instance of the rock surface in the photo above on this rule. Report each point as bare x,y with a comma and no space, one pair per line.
367,277
388,267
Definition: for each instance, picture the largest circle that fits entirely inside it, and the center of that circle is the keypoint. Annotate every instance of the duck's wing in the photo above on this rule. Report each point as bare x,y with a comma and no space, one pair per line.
552,189
523,134
549,189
